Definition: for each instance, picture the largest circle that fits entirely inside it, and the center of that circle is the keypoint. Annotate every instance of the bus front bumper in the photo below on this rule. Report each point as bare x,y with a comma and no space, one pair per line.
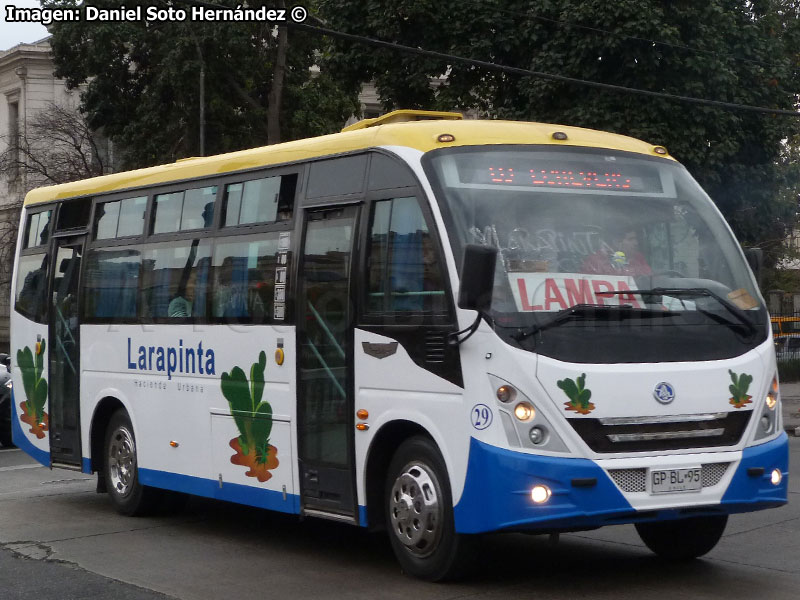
497,493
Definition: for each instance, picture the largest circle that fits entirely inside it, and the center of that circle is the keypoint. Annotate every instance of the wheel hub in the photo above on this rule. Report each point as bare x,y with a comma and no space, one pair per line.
415,511
122,461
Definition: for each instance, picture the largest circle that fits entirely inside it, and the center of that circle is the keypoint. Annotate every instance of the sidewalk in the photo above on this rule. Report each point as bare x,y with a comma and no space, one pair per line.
790,398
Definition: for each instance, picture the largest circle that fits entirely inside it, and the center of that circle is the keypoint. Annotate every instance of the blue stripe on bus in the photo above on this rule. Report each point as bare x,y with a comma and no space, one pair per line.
232,492
497,492
21,441
745,492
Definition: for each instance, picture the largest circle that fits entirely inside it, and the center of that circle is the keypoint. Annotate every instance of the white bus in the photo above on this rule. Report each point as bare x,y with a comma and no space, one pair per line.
422,324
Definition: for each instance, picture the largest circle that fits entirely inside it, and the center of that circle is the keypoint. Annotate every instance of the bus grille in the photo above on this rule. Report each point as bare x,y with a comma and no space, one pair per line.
635,480
675,432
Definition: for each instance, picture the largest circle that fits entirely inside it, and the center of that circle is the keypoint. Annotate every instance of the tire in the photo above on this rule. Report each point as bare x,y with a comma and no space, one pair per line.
5,424
129,497
684,539
419,514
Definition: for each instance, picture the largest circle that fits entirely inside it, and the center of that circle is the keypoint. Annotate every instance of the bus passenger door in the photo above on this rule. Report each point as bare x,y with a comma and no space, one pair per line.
64,352
325,359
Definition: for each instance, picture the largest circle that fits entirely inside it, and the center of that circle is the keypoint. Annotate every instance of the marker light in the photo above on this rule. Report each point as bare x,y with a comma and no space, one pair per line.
524,411
660,150
559,135
773,394
540,494
279,356
446,138
506,393
537,435
777,477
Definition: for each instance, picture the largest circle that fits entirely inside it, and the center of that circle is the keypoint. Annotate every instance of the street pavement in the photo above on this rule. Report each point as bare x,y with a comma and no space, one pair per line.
790,401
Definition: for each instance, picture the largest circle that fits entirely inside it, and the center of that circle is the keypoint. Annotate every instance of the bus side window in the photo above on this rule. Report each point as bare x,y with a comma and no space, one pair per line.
31,290
245,271
37,229
403,272
111,285
175,280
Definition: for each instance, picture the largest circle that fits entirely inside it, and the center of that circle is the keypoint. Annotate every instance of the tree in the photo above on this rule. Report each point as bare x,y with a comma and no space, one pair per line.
730,50
56,146
142,81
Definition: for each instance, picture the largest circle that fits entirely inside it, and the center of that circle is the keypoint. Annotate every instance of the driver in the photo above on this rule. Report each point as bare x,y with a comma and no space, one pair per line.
620,255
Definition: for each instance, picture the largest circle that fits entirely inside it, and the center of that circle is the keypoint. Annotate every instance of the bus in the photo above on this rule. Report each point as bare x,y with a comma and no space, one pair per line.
426,325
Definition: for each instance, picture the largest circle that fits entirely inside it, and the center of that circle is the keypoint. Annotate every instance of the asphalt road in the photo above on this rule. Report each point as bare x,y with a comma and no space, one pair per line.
61,540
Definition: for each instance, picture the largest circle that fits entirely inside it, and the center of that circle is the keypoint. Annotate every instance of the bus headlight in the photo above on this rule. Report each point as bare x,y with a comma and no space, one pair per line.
769,421
776,477
540,494
506,393
524,411
773,395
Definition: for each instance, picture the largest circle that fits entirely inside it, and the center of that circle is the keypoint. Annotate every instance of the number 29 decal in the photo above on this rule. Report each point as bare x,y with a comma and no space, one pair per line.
481,416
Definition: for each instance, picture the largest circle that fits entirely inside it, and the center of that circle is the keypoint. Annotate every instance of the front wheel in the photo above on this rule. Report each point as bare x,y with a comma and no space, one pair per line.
419,514
683,539
128,496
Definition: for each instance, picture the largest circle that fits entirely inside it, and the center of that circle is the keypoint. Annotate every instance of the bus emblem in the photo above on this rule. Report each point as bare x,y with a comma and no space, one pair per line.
664,393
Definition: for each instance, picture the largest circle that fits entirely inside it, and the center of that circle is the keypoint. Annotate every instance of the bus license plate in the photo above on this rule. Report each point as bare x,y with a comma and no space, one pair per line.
666,481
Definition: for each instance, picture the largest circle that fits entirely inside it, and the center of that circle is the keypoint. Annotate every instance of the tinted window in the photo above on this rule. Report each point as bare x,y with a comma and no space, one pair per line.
337,177
111,285
32,287
260,200
120,218
403,269
178,211
37,230
250,278
175,280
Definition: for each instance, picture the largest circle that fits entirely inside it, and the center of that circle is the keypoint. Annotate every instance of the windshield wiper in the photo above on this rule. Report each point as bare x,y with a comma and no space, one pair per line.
610,313
737,312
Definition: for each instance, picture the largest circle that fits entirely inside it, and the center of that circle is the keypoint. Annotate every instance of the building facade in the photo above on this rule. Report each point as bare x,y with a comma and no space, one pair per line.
27,87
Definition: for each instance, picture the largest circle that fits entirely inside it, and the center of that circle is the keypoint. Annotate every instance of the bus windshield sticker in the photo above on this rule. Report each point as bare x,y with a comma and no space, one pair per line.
559,291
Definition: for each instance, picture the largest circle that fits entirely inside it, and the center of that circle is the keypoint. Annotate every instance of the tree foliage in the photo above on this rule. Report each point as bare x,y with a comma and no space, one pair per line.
739,51
142,82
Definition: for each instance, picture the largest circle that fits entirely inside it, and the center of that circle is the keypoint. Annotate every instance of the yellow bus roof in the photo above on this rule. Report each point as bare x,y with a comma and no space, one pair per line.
421,135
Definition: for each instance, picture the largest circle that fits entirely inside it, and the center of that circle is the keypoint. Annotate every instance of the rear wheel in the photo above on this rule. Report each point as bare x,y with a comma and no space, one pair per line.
128,496
683,539
419,514
5,423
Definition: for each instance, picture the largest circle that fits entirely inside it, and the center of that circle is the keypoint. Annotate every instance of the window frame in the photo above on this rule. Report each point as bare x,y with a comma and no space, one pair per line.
368,317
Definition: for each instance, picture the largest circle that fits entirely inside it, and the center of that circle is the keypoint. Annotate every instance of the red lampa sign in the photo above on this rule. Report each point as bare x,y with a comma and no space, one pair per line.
557,291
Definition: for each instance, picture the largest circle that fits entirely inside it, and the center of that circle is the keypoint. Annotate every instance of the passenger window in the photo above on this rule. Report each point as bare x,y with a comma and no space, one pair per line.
180,211
250,278
37,230
120,218
175,280
402,270
260,200
111,287
31,288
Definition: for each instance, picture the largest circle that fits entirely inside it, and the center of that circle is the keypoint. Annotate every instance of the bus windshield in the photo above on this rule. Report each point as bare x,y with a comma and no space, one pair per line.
604,242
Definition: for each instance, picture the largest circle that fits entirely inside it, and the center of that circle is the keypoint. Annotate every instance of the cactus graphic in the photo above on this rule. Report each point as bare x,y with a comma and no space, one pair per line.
741,383
578,394
253,417
31,364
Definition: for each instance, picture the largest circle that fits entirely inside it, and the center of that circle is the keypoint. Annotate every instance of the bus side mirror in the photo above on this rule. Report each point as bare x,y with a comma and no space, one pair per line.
755,258
477,278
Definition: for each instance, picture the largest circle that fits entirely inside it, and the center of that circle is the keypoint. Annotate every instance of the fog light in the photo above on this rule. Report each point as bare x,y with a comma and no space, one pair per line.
537,435
524,411
776,478
506,393
540,494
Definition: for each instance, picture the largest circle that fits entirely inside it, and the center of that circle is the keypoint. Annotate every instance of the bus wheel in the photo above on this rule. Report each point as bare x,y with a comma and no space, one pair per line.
684,539
419,513
128,496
